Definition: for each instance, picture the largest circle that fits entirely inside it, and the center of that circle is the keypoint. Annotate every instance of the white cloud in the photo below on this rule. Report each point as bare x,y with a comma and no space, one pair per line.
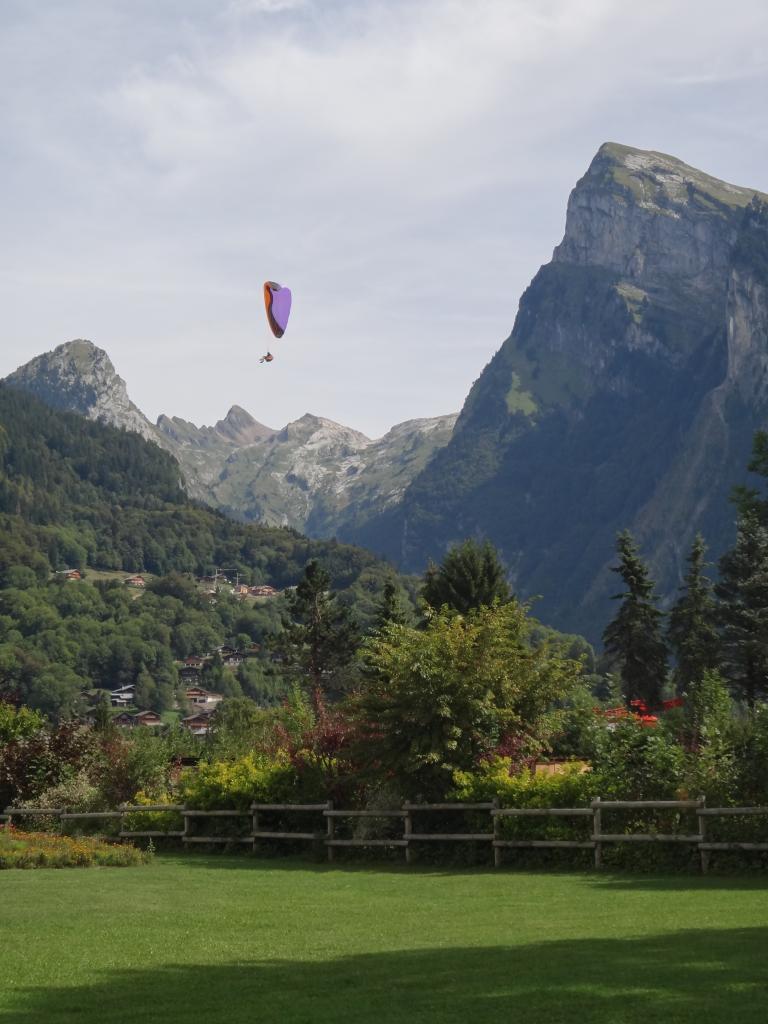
403,164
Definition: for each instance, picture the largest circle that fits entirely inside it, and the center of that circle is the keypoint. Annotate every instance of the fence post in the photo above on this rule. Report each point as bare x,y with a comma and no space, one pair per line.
187,826
329,828
597,828
703,854
407,830
496,819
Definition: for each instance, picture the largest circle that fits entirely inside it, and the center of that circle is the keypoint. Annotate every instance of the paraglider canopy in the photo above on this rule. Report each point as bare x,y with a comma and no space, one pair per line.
277,301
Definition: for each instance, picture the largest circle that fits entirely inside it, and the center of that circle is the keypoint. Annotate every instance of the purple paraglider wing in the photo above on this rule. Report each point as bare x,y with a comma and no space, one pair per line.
277,301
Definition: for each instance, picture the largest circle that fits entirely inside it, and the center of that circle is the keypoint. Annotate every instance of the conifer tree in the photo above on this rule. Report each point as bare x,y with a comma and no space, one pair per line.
470,576
743,596
634,637
692,632
390,608
321,635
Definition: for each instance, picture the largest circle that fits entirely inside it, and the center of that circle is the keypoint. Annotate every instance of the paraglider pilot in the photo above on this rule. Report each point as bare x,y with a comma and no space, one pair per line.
267,358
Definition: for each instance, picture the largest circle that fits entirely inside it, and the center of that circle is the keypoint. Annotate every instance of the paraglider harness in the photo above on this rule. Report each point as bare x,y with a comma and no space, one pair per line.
267,358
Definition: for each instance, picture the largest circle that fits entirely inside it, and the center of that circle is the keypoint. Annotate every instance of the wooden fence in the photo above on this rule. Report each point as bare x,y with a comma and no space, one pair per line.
330,839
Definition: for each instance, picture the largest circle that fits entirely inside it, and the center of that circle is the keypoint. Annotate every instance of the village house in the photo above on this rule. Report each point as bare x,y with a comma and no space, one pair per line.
70,574
264,591
198,723
122,696
149,719
202,698
135,581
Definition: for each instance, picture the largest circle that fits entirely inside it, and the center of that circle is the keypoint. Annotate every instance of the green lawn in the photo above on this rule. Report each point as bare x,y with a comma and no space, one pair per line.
218,939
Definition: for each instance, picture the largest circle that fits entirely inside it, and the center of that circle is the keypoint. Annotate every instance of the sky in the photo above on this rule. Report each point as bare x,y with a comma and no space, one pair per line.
404,166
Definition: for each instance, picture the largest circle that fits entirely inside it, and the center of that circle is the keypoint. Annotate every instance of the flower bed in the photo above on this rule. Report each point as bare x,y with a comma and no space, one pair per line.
45,850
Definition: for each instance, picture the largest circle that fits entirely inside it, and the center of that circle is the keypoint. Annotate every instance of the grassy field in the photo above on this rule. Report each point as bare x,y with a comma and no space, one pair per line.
229,940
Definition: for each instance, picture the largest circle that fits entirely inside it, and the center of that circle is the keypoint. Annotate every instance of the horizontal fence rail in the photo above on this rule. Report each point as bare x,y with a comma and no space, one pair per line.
327,817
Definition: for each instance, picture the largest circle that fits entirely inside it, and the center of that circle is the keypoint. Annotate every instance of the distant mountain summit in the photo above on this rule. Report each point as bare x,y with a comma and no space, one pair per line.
79,377
313,475
626,395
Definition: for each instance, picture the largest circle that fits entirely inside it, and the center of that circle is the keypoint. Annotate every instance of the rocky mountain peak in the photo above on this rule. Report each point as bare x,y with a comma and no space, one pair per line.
241,428
79,376
660,224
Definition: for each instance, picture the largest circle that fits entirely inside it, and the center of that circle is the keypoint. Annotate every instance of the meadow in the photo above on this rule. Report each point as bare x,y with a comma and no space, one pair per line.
234,940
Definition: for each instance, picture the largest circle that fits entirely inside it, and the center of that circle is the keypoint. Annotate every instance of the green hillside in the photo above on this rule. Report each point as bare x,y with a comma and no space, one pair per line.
79,494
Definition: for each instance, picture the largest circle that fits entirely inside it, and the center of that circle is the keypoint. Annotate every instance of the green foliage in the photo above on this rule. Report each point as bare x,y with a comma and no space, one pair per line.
470,576
320,637
634,636
236,784
438,699
18,723
74,493
692,630
743,595
495,778
390,608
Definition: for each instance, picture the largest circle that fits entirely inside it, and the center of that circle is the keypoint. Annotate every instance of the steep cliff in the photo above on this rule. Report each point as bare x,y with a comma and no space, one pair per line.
625,396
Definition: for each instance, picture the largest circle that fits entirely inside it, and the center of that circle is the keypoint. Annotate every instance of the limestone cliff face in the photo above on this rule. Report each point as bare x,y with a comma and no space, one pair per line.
79,377
626,395
318,476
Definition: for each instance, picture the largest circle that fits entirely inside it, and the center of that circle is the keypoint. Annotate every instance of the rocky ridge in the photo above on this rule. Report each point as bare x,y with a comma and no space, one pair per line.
313,474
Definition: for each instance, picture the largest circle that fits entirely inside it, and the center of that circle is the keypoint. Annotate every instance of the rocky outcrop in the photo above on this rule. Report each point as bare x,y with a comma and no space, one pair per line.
317,475
79,377
626,395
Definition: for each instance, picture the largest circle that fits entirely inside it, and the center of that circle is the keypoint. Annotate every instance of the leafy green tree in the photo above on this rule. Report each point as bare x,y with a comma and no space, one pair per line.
471,576
320,637
634,637
708,712
18,723
238,726
692,630
438,699
743,595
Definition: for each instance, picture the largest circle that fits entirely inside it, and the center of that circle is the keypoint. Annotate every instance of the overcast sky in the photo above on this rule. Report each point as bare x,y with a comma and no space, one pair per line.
404,166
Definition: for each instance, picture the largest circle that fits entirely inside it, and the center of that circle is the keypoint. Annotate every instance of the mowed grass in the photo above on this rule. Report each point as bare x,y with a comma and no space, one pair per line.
234,940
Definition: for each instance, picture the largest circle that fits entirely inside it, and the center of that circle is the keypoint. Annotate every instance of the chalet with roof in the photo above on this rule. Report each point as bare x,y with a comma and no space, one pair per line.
263,591
135,581
201,698
199,722
149,719
122,696
73,575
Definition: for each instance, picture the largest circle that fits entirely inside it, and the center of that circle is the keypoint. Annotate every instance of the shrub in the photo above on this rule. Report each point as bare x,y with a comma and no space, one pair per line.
224,785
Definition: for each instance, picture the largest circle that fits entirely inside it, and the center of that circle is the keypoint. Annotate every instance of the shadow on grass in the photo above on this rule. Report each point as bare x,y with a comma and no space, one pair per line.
702,976
615,880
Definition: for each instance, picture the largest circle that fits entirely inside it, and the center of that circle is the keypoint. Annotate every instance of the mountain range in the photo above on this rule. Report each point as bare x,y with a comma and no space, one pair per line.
314,475
626,396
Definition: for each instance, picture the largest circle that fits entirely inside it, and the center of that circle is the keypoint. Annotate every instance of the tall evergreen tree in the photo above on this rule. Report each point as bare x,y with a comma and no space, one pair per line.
743,596
321,636
470,576
635,635
692,632
390,608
